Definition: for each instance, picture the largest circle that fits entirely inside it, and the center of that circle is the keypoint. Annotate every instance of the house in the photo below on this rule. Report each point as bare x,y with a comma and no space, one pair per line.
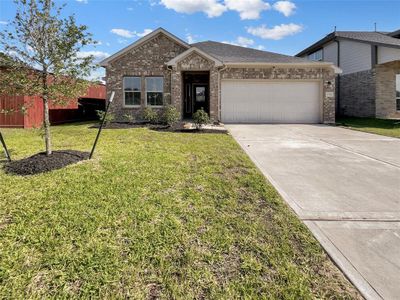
82,108
231,83
369,85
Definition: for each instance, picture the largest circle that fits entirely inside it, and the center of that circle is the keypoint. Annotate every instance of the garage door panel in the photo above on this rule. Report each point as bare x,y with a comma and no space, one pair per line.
245,101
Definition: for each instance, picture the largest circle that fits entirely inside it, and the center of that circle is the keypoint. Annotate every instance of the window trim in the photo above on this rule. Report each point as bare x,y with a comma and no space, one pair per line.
123,91
146,91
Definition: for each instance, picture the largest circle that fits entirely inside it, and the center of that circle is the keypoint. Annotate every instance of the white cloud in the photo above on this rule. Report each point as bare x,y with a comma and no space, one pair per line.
212,8
130,8
98,55
275,33
190,38
130,34
287,8
82,1
123,32
145,32
241,41
3,22
260,47
248,9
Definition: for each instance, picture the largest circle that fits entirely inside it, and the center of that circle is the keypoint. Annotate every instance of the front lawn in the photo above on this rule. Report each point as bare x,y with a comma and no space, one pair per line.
378,126
154,215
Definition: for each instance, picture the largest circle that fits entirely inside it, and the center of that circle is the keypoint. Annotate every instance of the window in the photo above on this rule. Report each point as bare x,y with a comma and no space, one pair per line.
200,94
132,88
317,55
154,91
398,92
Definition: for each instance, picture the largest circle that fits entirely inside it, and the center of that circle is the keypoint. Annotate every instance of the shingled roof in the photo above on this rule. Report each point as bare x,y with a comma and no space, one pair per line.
371,37
228,53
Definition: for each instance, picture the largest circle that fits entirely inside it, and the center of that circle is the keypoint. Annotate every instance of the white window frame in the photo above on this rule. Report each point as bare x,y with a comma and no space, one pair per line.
313,57
162,92
397,88
140,91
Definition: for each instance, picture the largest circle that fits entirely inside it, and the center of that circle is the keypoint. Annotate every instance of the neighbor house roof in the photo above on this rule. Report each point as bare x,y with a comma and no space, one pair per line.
228,53
371,37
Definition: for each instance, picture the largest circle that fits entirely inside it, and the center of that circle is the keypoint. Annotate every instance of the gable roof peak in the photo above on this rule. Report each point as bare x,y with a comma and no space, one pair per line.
142,40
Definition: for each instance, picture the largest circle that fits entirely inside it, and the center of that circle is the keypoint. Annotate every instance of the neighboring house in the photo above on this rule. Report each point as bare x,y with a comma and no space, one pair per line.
82,108
232,83
370,83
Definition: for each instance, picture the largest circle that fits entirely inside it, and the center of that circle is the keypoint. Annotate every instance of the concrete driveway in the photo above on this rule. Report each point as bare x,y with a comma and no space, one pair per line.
345,186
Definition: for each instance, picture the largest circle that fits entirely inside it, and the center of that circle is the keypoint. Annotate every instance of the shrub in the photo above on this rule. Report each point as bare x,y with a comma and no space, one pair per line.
200,118
149,115
109,118
170,115
129,118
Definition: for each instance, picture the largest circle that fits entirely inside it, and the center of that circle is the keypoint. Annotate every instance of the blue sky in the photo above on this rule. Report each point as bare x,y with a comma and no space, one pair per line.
279,26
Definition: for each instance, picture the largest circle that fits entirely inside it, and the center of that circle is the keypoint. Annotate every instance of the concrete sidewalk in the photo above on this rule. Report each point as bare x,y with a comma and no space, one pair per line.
345,186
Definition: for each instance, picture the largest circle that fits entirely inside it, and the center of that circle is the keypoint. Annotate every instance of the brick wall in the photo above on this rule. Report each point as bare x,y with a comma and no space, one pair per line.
195,62
386,89
146,60
357,94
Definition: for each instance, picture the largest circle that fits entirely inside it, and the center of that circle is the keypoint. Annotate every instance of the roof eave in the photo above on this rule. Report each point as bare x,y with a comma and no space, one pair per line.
310,64
330,37
173,62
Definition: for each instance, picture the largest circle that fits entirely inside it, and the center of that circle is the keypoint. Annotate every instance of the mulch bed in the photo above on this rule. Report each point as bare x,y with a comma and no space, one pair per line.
41,163
162,128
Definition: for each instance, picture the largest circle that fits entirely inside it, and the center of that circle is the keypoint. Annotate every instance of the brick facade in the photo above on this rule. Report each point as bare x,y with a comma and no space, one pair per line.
370,93
386,90
195,62
357,94
146,60
150,58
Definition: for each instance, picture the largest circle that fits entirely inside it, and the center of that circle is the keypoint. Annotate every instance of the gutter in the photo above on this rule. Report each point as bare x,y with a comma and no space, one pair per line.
285,65
336,40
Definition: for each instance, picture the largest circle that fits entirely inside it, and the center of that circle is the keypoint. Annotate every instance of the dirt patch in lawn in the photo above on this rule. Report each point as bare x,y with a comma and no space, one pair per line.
41,163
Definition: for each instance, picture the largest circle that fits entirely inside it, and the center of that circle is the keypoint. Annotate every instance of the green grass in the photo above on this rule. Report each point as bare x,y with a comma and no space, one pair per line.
154,215
378,126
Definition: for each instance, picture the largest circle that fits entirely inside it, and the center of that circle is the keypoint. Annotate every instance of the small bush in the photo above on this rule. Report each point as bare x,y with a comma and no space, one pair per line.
200,118
109,118
170,115
128,118
149,115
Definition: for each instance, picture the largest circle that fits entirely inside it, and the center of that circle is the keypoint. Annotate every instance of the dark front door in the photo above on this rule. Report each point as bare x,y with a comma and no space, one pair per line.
196,94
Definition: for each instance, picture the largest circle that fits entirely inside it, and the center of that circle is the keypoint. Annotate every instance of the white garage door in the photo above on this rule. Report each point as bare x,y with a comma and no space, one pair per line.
244,101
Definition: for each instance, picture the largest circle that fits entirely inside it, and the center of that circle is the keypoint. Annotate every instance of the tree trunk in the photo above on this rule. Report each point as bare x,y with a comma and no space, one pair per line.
46,123
46,120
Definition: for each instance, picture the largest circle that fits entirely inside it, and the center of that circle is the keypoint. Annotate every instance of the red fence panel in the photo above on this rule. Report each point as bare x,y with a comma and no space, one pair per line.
12,119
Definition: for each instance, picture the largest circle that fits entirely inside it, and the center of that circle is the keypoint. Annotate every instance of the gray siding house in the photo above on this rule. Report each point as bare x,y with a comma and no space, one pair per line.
369,85
232,84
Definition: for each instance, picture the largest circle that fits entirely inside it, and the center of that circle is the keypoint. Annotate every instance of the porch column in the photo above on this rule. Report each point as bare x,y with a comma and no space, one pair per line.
176,90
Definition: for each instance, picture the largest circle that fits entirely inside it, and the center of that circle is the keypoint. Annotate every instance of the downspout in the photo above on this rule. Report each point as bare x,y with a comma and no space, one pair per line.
338,77
169,68
219,91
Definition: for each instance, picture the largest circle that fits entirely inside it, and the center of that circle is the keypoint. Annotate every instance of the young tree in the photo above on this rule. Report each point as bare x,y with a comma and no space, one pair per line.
42,56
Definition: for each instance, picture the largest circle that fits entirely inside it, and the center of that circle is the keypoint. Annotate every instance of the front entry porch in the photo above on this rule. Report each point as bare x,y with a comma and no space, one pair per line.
196,92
